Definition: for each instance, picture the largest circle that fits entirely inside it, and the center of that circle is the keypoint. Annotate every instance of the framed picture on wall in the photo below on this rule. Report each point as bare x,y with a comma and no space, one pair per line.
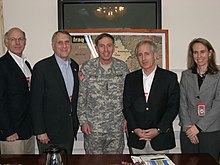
125,43
88,14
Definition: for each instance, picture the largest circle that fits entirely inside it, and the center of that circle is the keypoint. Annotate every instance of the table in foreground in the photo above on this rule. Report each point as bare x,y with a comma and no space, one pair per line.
178,159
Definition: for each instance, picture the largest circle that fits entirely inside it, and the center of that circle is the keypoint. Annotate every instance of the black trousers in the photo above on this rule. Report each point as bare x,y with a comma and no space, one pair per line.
209,142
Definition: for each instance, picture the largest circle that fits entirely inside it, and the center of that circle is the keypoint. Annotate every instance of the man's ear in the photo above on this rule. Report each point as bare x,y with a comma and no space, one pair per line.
155,55
6,42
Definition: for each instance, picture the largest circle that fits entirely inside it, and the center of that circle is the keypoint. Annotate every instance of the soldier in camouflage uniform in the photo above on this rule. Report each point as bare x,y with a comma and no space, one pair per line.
100,100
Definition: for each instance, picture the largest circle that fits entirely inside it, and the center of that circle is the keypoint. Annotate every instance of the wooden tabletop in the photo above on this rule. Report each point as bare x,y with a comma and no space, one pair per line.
125,159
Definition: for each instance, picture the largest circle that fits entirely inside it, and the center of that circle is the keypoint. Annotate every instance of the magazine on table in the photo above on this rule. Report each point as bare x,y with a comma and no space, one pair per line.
159,159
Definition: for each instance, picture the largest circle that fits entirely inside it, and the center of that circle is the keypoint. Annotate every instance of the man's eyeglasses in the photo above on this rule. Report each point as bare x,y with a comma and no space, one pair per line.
21,39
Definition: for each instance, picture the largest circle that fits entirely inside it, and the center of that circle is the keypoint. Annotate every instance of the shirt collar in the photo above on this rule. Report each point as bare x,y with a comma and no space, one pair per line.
19,60
61,62
151,74
16,57
194,71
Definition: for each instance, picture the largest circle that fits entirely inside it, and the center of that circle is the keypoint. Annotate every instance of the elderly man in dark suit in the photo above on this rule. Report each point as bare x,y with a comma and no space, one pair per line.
151,103
15,75
54,93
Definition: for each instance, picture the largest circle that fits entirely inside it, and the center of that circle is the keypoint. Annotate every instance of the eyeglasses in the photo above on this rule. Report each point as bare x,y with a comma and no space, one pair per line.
21,39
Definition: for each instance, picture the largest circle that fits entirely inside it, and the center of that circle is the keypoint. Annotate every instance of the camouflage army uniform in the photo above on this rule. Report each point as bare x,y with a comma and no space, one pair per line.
100,106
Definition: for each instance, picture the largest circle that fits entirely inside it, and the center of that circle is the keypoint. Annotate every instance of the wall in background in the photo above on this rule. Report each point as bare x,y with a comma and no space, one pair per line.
185,20
190,19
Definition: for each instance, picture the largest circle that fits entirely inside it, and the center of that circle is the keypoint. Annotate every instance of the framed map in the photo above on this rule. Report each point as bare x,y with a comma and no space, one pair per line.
125,43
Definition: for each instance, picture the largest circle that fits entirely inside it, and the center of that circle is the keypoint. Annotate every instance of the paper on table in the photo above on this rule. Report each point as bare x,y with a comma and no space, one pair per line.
152,159
156,159
136,159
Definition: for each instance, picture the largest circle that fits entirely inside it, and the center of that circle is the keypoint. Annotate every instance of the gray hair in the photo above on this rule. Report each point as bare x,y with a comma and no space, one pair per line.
151,43
60,31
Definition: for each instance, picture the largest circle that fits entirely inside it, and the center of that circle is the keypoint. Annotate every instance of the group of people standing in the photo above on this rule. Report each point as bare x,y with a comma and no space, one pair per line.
105,100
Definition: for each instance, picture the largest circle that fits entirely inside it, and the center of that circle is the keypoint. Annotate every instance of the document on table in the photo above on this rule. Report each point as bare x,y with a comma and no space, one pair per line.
152,160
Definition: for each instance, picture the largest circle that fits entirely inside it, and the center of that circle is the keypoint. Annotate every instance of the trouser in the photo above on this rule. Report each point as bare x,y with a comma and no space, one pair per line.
18,146
104,143
148,150
209,142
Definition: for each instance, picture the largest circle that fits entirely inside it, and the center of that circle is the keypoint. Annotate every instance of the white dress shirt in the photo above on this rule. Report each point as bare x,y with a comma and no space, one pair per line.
147,82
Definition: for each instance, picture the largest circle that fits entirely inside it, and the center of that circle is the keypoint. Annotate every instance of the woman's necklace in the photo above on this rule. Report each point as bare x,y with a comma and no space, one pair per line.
202,72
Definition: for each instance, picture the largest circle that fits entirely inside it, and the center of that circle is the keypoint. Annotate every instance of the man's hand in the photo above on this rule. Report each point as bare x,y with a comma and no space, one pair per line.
85,128
12,137
43,138
125,128
149,134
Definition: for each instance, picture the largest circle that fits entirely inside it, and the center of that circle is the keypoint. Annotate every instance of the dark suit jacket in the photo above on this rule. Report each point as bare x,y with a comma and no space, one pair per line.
50,104
14,100
159,112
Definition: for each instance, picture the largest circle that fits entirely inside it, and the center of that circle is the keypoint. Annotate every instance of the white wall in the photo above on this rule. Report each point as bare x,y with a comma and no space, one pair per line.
188,19
38,19
185,20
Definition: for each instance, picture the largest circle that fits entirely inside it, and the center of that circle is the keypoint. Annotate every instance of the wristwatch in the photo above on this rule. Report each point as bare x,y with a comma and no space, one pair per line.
159,131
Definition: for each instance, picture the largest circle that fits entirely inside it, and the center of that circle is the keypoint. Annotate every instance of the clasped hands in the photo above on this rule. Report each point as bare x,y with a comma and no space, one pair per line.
12,137
191,133
147,134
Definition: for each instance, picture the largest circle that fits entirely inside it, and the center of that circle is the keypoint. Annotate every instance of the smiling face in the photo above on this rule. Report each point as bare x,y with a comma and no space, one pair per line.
201,55
146,58
62,45
105,49
15,41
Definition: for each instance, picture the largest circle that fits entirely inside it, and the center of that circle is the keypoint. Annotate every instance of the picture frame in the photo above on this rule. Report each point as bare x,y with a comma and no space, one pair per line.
83,47
88,14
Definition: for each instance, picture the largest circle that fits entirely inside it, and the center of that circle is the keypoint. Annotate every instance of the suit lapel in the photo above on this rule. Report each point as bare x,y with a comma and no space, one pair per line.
75,75
155,86
139,84
29,66
14,66
207,83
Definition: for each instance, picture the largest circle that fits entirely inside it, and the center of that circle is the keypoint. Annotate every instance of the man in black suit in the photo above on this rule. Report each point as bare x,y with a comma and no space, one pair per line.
151,103
54,93
15,75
